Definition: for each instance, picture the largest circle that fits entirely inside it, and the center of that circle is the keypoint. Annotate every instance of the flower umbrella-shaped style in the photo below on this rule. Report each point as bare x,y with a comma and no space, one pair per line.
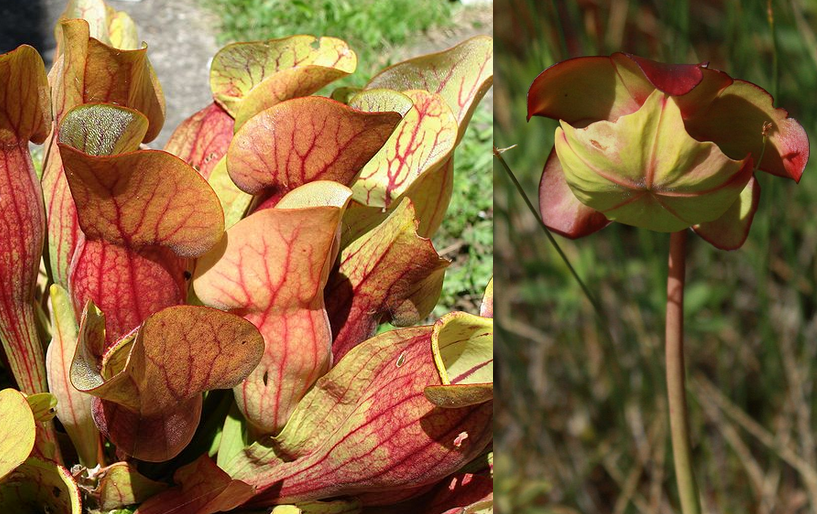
659,146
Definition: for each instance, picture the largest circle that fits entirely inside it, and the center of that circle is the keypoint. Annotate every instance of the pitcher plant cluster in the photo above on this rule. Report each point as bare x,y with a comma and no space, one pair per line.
259,252
667,148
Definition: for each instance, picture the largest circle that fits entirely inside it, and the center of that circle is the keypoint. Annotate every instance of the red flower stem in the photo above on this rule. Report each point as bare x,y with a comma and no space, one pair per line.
676,392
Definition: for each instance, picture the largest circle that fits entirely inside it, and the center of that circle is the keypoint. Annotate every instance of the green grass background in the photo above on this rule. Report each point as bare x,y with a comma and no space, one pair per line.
373,28
379,31
582,418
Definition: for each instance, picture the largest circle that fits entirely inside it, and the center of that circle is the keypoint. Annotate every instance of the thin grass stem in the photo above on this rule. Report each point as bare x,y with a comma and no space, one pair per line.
587,293
775,63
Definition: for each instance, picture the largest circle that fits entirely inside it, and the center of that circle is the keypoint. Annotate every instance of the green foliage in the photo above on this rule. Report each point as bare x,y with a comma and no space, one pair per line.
519,494
467,235
584,412
371,27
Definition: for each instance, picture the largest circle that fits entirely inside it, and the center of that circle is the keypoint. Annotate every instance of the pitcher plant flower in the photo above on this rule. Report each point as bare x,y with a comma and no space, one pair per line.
666,147
659,146
204,320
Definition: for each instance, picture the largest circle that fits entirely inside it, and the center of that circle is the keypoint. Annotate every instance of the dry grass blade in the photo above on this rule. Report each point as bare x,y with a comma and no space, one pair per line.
750,464
704,389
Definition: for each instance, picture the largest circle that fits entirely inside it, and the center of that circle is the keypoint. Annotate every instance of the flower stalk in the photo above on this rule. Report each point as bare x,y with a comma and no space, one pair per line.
676,392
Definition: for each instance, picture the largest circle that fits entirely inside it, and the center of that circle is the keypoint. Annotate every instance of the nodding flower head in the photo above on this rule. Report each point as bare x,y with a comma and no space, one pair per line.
659,146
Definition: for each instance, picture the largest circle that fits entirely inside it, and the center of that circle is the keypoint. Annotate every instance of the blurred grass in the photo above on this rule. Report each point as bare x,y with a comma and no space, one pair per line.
583,425
380,31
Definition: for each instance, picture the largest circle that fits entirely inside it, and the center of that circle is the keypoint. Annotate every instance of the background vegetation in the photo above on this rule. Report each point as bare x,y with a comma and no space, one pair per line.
384,32
583,425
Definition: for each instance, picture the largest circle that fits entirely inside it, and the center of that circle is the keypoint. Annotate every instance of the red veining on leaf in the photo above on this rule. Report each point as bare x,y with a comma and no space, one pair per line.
271,268
153,438
561,211
627,201
461,75
734,119
178,353
106,24
649,175
471,371
24,117
73,408
247,78
120,484
588,89
730,231
452,496
141,212
303,140
431,196
378,274
21,240
202,139
63,228
90,71
62,364
84,71
649,164
40,486
421,143
144,198
127,284
611,177
241,66
400,441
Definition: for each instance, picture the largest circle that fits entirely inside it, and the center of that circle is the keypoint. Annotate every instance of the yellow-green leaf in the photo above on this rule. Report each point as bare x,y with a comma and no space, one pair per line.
421,143
388,274
645,170
462,75
40,486
73,407
234,201
247,78
120,484
43,406
17,431
112,27
463,347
